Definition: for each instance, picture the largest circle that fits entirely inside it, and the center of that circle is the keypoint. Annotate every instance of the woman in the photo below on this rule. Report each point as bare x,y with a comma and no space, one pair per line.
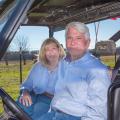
38,89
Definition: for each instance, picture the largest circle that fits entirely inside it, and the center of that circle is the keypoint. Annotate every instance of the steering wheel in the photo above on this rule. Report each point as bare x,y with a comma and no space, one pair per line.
13,107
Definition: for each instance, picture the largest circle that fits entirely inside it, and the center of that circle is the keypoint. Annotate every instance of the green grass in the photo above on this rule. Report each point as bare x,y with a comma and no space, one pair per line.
108,60
10,80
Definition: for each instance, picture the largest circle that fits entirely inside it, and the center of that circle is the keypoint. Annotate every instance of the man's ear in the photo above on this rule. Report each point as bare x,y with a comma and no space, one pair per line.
87,43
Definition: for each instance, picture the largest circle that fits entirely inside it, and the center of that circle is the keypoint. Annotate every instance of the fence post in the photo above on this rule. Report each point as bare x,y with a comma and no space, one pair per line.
20,65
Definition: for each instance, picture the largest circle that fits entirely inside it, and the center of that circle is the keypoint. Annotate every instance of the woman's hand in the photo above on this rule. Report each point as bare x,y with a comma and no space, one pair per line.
25,99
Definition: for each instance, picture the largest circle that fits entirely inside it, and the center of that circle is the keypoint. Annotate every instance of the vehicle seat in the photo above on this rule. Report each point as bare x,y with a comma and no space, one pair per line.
114,93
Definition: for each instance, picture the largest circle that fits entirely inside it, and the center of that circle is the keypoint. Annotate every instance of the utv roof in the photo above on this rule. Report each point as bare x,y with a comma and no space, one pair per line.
57,13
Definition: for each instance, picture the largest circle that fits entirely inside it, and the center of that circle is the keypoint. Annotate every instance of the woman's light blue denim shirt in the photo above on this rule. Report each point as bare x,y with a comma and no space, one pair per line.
40,80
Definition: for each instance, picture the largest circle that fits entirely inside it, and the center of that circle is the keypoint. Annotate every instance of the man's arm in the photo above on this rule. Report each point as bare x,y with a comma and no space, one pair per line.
96,104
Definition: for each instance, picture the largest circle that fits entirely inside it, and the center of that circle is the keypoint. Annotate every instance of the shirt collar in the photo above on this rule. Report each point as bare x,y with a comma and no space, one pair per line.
84,58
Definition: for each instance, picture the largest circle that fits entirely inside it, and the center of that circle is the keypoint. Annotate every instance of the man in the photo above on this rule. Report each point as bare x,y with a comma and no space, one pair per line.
81,91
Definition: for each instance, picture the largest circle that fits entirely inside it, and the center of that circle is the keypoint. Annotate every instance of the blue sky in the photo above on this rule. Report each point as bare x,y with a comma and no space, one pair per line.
36,35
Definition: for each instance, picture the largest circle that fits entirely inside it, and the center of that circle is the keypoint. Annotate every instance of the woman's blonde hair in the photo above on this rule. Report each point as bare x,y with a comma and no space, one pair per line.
42,57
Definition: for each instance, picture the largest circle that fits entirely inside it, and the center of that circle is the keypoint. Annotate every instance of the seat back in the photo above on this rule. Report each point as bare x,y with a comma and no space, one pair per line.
114,94
114,102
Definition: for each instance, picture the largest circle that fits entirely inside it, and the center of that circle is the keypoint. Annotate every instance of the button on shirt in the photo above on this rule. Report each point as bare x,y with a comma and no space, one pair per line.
40,80
82,87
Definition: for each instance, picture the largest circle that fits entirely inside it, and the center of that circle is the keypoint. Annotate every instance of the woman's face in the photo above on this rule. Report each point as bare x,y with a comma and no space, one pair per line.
52,52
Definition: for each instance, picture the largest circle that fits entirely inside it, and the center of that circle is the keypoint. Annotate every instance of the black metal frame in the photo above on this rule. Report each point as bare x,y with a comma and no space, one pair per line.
13,24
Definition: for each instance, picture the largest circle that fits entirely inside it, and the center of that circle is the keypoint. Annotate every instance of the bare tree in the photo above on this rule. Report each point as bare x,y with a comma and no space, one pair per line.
6,56
21,44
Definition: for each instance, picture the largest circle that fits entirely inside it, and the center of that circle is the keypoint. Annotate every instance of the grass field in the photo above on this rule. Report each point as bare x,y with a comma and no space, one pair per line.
10,80
108,60
10,77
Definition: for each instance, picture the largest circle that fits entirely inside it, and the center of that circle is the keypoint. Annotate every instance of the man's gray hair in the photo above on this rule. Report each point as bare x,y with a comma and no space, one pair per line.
80,27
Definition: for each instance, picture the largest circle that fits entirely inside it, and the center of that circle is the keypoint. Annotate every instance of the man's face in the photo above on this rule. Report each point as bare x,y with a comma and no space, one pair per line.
76,42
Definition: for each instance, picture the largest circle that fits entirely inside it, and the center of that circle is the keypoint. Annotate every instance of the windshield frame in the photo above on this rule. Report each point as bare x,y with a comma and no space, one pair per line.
9,29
